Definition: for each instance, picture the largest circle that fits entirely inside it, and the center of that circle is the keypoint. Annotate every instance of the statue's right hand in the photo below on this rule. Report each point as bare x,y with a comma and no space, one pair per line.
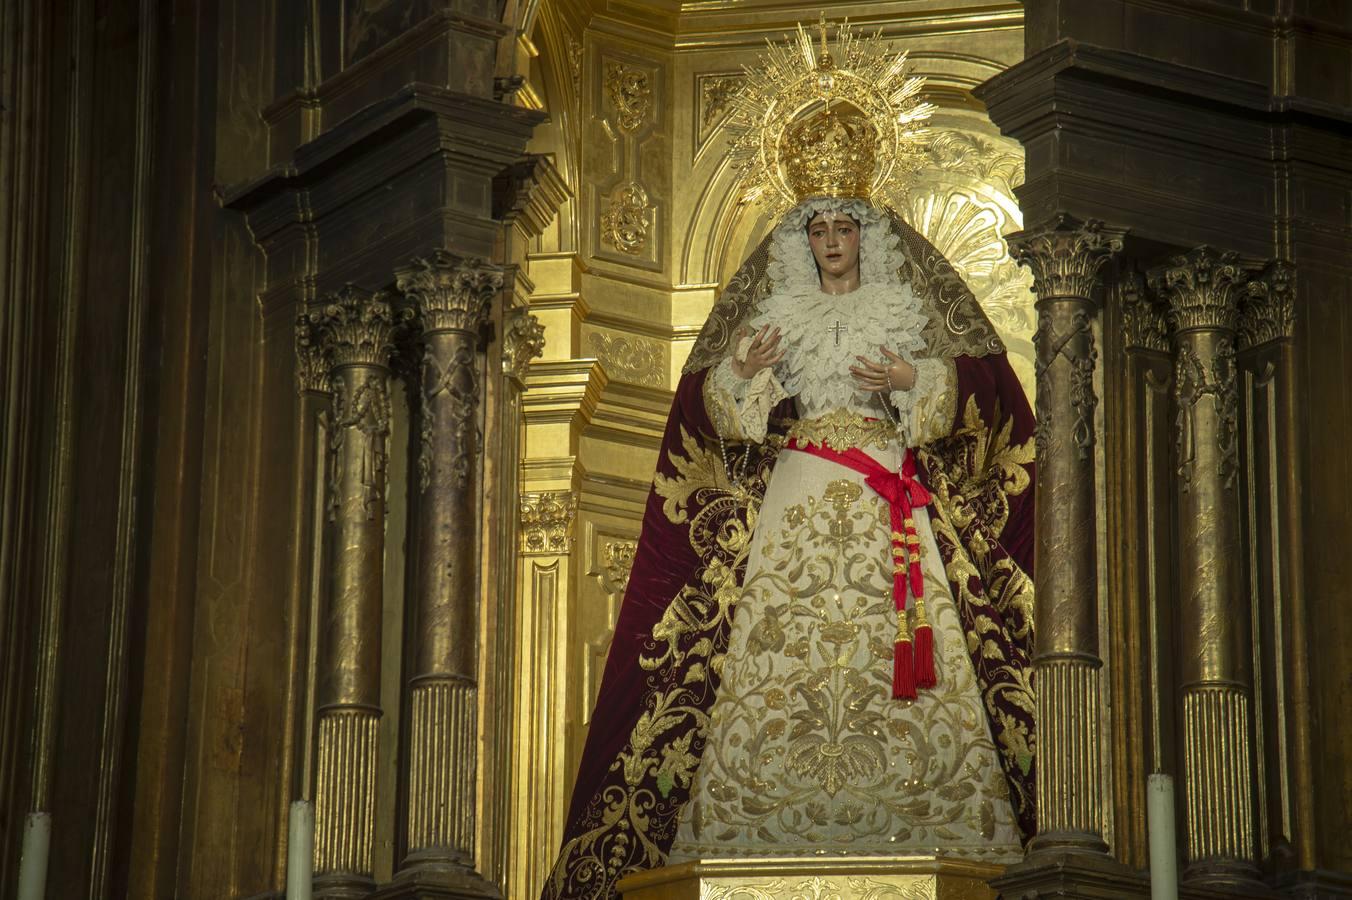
763,352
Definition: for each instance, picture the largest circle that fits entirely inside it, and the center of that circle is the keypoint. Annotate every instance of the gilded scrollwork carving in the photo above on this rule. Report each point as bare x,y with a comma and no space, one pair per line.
977,156
546,519
574,52
627,220
361,409
1076,345
714,101
1194,381
1065,257
523,341
617,560
1268,312
631,94
630,358
848,887
452,299
457,378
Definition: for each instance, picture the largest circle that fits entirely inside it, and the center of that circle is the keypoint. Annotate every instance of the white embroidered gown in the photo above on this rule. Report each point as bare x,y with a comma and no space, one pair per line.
807,751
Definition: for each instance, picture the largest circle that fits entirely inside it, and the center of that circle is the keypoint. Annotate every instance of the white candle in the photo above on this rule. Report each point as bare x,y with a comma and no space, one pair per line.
1163,847
37,839
300,851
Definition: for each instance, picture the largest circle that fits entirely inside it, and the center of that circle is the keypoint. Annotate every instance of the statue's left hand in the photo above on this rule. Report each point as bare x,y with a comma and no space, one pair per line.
892,373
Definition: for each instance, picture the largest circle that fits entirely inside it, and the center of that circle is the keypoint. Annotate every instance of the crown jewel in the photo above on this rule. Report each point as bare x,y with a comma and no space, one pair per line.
812,123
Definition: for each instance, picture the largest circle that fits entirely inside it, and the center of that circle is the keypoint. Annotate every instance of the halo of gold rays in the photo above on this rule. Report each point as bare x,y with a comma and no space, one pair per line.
800,77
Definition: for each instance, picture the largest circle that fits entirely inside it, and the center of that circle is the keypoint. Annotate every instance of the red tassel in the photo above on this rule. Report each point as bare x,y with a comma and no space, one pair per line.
903,672
924,656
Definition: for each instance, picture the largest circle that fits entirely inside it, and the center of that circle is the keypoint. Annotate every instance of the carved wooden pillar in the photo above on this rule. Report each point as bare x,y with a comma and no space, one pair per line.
1065,259
356,330
1271,417
1203,289
452,297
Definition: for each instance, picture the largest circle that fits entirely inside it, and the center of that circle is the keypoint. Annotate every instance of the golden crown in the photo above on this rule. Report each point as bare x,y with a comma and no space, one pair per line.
810,123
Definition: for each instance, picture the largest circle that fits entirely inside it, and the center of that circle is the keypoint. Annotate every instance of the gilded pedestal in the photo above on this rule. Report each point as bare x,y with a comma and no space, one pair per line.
815,878
356,330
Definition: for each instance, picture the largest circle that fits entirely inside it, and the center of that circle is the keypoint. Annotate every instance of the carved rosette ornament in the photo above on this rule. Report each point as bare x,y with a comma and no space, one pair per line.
354,331
1065,259
452,299
523,341
1205,290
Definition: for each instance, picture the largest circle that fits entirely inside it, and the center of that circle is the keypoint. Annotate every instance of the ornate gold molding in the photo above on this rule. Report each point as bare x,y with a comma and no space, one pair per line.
450,293
713,102
546,520
522,341
630,358
627,220
630,92
617,561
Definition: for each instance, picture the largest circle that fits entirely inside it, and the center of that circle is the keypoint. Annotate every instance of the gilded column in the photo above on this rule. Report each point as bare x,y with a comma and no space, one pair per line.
356,329
452,297
1203,289
1065,259
1267,325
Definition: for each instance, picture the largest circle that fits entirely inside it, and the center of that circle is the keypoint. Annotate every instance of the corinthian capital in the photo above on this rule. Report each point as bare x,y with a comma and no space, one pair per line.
450,293
1203,288
312,371
1065,257
1269,310
524,340
356,327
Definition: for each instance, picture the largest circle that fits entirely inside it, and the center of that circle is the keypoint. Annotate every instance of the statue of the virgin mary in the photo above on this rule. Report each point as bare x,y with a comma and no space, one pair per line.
825,642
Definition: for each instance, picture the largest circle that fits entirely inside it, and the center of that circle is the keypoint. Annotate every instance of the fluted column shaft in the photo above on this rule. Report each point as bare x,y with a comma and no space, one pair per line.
1203,289
356,331
1065,259
452,297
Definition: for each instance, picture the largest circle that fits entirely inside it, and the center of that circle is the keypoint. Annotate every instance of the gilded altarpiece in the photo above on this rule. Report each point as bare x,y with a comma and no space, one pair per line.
623,280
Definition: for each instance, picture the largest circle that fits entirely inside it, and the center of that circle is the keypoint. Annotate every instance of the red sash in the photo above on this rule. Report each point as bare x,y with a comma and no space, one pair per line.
913,666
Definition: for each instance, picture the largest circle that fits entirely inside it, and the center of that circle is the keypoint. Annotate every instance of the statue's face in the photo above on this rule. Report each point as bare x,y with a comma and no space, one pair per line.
834,237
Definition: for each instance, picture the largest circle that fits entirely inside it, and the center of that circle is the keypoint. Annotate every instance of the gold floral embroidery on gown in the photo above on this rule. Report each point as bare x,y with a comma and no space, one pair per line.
807,750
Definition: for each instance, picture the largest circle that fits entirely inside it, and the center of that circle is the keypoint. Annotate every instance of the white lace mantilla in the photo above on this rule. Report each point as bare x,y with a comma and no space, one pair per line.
824,334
